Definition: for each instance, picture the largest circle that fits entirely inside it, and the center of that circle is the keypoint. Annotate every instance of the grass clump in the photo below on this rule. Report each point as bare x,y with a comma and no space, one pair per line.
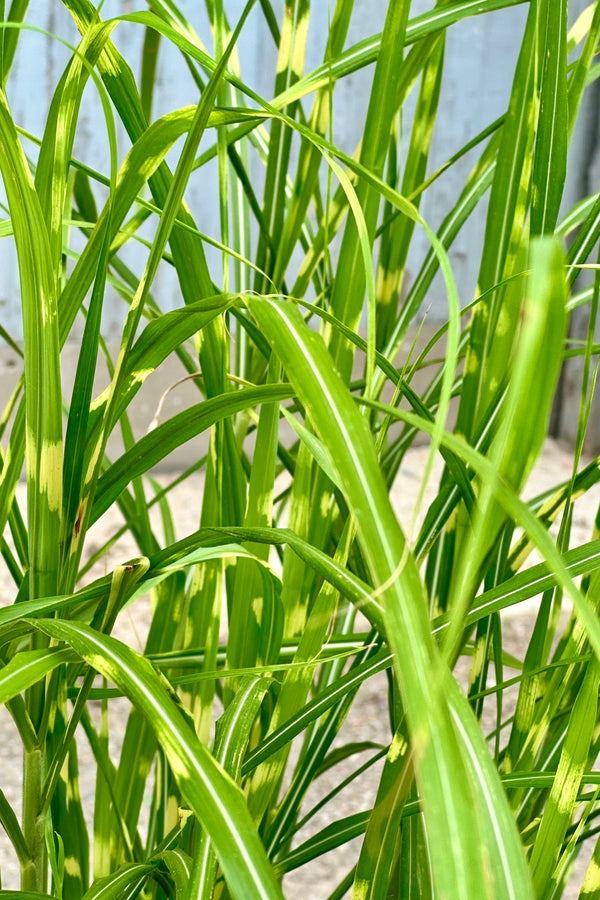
292,390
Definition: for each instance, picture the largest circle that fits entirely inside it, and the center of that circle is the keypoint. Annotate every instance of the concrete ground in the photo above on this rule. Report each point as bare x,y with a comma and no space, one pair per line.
368,718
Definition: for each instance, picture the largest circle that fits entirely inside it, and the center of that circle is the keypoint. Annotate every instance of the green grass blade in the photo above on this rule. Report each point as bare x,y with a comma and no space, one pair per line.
349,285
74,519
503,233
519,511
162,336
296,684
170,210
217,802
309,157
178,865
10,36
550,161
590,889
52,171
447,808
330,837
333,694
520,434
10,823
578,78
290,65
149,68
581,560
563,798
366,51
119,884
27,668
233,731
396,239
253,642
377,856
140,164
42,367
180,428
476,187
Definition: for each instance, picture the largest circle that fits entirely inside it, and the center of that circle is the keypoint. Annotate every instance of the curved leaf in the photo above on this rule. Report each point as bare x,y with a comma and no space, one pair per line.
455,774
212,795
154,447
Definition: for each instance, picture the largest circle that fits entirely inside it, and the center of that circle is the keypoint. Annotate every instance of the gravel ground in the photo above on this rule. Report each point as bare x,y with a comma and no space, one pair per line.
368,718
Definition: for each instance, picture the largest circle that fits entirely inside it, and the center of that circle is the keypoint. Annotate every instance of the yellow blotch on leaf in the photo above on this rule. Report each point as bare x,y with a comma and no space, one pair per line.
398,748
361,890
72,867
257,609
50,470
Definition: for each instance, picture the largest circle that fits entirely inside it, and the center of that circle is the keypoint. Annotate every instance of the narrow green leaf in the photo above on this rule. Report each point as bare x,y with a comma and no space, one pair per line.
232,734
42,366
10,36
365,52
550,162
179,867
176,431
115,886
149,67
216,801
520,435
377,855
564,794
504,230
349,284
27,668
447,806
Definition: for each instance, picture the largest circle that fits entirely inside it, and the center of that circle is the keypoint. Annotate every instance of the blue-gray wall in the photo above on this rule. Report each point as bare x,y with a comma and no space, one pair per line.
480,58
